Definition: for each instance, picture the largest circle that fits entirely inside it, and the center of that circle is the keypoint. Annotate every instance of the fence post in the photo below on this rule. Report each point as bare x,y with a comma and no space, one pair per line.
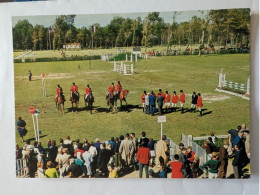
189,139
126,57
114,66
124,69
248,87
136,57
132,68
131,57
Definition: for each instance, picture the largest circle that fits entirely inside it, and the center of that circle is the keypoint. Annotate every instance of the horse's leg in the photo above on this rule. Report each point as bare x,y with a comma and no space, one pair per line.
72,106
77,106
62,107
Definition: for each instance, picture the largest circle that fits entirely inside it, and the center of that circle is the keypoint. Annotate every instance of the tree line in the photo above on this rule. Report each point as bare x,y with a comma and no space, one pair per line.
215,27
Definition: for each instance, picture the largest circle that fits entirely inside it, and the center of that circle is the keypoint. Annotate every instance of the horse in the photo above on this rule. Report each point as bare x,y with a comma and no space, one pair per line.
59,101
122,97
111,97
74,99
89,100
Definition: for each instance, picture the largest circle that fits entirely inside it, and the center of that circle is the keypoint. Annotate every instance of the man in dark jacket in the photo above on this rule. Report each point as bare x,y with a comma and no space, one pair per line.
160,103
223,157
194,99
103,159
237,168
152,100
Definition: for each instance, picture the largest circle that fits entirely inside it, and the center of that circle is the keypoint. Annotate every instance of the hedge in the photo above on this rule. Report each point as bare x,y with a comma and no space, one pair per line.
234,90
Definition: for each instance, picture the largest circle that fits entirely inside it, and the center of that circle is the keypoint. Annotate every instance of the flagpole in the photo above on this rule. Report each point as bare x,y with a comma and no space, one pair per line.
50,39
92,40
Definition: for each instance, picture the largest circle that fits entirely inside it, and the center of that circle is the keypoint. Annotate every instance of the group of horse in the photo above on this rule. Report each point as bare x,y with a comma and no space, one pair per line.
111,99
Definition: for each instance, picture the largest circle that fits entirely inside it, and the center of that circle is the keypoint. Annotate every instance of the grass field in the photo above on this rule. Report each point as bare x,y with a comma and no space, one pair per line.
190,73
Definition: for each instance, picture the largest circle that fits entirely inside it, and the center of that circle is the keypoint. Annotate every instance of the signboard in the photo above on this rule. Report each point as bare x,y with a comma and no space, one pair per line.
161,119
31,110
42,75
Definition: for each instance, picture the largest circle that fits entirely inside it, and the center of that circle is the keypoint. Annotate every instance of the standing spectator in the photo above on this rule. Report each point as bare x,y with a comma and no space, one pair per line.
143,156
151,148
213,165
68,144
111,154
243,127
182,101
213,137
195,167
21,127
160,93
199,104
97,144
213,147
40,171
161,150
175,100
135,142
103,159
53,151
181,145
237,168
162,173
206,146
160,100
64,162
238,139
74,170
77,144
190,154
152,100
78,149
51,171
247,143
232,133
185,162
67,140
30,75
62,145
143,100
112,171
147,104
223,157
194,99
117,155
143,138
167,99
94,153
176,167
79,161
126,150
88,159
59,155
112,142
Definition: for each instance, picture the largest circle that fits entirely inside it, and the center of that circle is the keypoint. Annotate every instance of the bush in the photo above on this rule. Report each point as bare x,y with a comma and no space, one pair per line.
17,60
218,142
28,60
122,57
73,58
234,90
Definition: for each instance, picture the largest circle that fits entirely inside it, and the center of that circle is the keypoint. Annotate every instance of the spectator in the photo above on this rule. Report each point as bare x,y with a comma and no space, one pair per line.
77,144
117,155
40,171
238,139
103,159
62,145
143,138
112,142
143,156
79,149
111,154
93,152
151,148
247,142
112,171
126,150
162,173
51,172
147,104
190,154
213,165
213,137
232,135
160,101
213,147
152,100
195,167
181,145
143,100
21,128
79,161
237,168
97,144
185,163
176,167
64,162
74,170
53,151
88,158
67,140
135,142
206,146
161,150
223,157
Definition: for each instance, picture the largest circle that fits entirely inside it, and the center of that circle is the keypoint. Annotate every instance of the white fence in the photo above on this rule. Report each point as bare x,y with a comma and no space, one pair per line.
21,168
123,68
105,57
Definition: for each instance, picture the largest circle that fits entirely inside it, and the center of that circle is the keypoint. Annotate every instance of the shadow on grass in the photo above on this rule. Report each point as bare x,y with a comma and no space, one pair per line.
33,138
206,113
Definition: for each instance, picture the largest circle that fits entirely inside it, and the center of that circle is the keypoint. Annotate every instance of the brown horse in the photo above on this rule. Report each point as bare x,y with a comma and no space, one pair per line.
59,101
111,98
122,97
89,100
74,100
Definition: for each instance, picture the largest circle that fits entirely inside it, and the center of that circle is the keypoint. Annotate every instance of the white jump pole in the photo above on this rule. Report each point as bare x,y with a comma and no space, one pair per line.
248,86
161,130
131,57
37,128
114,66
34,128
136,57
132,68
124,69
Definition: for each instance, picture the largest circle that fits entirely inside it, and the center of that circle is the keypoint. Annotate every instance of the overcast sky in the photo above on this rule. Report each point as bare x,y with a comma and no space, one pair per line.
104,19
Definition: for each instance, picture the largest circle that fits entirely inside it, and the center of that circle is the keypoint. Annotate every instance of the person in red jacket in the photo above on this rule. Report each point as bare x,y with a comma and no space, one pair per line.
167,99
160,93
118,87
199,104
74,89
182,100
175,99
176,167
143,156
59,92
111,88
143,100
190,154
87,89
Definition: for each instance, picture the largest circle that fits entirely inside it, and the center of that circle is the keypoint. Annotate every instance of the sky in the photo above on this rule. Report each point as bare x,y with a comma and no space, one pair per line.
104,19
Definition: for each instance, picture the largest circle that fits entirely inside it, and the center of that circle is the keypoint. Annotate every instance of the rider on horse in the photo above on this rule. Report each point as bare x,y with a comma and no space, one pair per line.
73,89
111,88
88,90
118,88
59,92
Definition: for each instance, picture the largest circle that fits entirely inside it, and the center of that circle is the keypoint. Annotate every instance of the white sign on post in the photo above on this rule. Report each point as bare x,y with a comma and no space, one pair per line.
161,119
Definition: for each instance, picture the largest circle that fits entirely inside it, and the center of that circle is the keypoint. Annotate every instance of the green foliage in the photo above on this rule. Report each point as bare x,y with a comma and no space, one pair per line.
122,57
17,60
218,142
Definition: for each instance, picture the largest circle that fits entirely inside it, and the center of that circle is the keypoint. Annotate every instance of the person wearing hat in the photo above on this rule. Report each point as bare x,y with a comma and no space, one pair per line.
167,99
213,166
147,103
175,99
21,127
160,93
143,100
194,99
59,92
223,157
30,75
74,89
88,90
182,101
111,88
118,88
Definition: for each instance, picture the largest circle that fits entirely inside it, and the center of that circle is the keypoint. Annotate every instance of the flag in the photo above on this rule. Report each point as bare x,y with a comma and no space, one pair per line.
51,30
94,28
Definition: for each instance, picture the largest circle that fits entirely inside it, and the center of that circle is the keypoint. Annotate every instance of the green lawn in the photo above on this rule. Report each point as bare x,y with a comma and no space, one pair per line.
190,73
